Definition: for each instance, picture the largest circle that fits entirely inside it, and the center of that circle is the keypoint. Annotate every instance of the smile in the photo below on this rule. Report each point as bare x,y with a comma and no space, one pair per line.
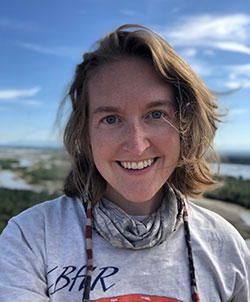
137,165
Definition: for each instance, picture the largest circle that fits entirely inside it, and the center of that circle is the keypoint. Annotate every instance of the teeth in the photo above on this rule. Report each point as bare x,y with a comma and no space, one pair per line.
137,166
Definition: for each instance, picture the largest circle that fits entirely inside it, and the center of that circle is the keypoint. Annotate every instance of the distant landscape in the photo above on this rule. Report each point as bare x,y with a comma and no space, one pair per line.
235,157
31,175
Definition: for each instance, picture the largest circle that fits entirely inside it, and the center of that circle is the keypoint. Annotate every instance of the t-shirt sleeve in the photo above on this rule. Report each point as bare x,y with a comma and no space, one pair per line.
223,255
22,265
243,276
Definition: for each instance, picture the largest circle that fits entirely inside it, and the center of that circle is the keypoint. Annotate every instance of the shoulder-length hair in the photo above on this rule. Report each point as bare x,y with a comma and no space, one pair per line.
195,104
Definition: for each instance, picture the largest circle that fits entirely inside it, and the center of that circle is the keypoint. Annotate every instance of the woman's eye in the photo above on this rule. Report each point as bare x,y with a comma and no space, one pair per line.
156,114
111,119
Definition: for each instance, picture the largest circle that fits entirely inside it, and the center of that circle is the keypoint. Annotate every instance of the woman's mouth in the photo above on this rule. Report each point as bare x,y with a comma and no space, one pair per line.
139,165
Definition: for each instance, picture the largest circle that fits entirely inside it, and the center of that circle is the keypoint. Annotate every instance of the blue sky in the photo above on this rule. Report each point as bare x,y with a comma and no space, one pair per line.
42,41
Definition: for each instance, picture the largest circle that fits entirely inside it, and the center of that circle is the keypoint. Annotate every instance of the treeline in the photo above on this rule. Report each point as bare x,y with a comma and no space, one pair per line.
36,175
234,158
8,163
231,189
55,168
12,202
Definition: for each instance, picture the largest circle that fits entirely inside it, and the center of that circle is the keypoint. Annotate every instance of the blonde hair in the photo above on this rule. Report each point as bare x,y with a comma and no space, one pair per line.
195,103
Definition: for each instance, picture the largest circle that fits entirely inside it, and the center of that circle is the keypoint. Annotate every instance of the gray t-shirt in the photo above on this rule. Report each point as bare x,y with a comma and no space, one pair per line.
43,258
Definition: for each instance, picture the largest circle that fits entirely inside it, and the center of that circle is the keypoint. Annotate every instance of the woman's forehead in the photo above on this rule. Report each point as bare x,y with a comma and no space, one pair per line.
128,80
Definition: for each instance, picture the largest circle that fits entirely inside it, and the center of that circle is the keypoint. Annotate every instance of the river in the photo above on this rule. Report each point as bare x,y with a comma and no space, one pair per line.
246,217
235,170
10,180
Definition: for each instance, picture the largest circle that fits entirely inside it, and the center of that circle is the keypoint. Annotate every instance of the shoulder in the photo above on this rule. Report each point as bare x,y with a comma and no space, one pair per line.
214,231
50,213
220,253
205,217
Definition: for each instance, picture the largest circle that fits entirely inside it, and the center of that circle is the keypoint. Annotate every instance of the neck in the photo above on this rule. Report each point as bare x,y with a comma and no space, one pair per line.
136,208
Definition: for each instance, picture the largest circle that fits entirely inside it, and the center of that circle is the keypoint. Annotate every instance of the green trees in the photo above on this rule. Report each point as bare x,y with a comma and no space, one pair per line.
13,202
7,163
235,190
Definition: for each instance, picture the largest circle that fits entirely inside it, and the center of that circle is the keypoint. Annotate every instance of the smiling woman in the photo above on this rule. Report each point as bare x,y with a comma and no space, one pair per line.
141,127
131,130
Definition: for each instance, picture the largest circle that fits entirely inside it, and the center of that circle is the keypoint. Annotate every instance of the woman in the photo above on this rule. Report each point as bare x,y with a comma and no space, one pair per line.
141,126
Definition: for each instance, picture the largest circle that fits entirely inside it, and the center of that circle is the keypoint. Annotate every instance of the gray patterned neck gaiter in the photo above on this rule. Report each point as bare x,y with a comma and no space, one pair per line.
123,231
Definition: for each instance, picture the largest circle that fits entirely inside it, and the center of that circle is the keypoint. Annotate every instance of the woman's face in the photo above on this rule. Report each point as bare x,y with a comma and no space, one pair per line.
134,148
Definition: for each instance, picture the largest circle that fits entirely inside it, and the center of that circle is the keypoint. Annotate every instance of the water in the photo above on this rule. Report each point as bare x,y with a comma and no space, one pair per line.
10,180
235,170
246,217
23,163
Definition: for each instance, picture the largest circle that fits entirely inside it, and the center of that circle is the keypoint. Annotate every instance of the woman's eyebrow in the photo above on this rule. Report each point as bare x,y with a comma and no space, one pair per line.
165,103
103,109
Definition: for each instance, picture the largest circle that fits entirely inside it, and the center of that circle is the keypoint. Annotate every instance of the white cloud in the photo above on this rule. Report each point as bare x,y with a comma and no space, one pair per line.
189,52
239,111
177,9
62,51
34,103
20,96
232,46
229,33
16,25
128,13
232,27
240,83
209,52
39,48
239,76
243,69
201,68
18,93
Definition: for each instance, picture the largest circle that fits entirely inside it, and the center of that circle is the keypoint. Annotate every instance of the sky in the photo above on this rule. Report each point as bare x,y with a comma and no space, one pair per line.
42,41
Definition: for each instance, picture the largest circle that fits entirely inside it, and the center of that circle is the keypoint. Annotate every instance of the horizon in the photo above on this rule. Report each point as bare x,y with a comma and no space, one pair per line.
58,146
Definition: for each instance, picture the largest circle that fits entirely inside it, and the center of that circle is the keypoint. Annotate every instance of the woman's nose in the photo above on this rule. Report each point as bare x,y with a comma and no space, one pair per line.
136,139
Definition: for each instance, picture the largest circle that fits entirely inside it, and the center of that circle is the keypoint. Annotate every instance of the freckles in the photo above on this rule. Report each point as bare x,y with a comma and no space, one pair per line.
169,134
98,143
102,143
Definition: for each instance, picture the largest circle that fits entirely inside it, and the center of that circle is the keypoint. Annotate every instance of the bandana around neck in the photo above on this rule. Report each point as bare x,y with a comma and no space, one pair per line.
124,231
